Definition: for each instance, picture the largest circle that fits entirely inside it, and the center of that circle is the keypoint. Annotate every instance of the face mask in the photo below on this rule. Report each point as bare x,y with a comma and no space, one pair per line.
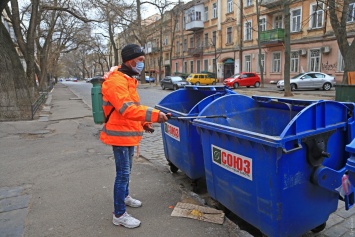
139,67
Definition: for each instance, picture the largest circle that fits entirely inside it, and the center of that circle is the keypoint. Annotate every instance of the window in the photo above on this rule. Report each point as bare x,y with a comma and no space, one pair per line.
198,16
191,66
317,15
206,40
351,14
262,24
198,41
166,40
185,67
177,25
190,16
278,22
198,66
214,39
247,31
276,62
214,64
191,42
248,3
229,6
247,63
177,47
294,61
206,13
314,60
205,65
214,10
296,20
229,35
185,45
262,56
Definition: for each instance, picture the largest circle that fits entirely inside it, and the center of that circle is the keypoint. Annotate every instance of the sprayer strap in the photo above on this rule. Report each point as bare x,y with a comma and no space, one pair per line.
108,116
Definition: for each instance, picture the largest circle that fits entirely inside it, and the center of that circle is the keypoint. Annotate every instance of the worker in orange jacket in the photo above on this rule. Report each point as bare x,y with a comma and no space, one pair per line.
126,120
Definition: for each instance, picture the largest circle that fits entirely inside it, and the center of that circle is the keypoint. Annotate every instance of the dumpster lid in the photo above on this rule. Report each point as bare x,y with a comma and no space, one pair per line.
97,79
302,121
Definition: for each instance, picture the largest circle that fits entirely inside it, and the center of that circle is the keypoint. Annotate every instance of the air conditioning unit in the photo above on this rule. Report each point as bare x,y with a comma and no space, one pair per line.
325,49
302,52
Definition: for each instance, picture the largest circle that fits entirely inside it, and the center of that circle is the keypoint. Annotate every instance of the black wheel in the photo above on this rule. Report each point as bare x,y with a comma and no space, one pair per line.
248,86
257,84
235,85
175,87
319,228
197,83
293,87
327,86
173,168
163,87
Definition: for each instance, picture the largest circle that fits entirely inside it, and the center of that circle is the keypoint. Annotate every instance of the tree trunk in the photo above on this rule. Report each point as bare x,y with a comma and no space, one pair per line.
16,95
339,24
287,49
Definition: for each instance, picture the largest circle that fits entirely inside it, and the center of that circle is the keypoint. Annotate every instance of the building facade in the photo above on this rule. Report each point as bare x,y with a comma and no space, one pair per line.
221,36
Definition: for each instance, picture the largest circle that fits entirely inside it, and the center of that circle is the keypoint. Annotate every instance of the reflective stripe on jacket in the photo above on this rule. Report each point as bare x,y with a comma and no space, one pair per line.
125,126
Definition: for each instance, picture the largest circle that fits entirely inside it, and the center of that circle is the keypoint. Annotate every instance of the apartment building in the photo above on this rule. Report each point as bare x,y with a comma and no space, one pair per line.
221,36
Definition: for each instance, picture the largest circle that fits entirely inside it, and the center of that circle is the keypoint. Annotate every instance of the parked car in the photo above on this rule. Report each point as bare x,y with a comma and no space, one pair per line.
149,79
201,78
173,82
88,79
309,80
247,79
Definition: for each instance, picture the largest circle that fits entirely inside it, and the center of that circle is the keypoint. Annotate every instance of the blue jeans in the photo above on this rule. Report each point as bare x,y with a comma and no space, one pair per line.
123,159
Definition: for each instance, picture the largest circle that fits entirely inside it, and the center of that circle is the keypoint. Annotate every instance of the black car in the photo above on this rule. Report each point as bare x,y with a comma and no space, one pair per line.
173,82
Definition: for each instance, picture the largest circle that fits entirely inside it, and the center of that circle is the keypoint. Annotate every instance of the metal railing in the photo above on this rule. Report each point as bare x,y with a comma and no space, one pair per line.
40,100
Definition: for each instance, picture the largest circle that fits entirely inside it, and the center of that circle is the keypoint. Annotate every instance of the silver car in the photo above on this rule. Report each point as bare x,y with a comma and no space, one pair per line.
309,80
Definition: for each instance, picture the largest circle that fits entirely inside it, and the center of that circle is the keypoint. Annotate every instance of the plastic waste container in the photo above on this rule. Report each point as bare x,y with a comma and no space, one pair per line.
277,163
96,99
182,143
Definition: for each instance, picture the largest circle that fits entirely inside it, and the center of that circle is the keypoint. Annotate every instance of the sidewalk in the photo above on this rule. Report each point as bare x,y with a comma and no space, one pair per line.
57,180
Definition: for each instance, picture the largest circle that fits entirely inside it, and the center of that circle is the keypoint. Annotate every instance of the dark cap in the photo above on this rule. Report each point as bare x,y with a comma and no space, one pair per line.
131,51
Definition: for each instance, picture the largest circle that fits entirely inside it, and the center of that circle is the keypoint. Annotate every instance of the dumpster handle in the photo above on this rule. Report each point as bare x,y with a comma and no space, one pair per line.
195,117
299,146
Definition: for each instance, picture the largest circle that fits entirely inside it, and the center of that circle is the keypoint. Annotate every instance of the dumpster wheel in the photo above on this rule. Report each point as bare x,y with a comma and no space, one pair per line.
319,228
173,168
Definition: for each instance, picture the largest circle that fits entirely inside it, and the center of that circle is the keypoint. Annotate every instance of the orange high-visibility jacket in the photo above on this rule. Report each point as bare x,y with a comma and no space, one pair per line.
125,125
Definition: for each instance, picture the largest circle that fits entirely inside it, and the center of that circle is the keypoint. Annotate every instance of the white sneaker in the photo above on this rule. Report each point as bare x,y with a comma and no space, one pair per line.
126,220
129,201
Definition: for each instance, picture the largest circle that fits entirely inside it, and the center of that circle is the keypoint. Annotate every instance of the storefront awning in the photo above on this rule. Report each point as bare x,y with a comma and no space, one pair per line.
229,60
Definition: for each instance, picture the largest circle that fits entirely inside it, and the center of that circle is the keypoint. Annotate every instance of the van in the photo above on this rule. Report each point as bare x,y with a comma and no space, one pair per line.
201,79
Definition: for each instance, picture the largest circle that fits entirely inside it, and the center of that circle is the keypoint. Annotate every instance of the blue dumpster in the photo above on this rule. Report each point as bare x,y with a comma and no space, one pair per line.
277,163
182,143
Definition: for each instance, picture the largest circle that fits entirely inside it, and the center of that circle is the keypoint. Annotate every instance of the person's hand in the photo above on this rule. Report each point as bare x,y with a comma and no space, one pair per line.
162,117
148,128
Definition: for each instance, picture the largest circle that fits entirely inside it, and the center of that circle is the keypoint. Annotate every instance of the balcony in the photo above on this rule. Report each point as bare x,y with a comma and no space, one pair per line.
275,36
270,3
195,52
194,25
155,49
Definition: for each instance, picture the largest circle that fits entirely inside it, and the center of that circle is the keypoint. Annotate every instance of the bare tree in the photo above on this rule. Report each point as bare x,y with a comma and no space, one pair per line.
339,14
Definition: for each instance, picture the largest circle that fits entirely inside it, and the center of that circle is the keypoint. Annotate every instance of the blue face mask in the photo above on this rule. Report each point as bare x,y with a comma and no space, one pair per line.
139,67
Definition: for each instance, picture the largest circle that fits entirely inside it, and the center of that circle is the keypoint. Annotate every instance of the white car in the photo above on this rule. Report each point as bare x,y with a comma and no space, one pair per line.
309,80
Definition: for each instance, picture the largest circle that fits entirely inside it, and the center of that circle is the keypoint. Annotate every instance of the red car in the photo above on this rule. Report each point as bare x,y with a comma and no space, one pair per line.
247,79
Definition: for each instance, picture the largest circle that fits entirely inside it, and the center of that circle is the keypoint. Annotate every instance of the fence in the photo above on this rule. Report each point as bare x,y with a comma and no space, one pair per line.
40,100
